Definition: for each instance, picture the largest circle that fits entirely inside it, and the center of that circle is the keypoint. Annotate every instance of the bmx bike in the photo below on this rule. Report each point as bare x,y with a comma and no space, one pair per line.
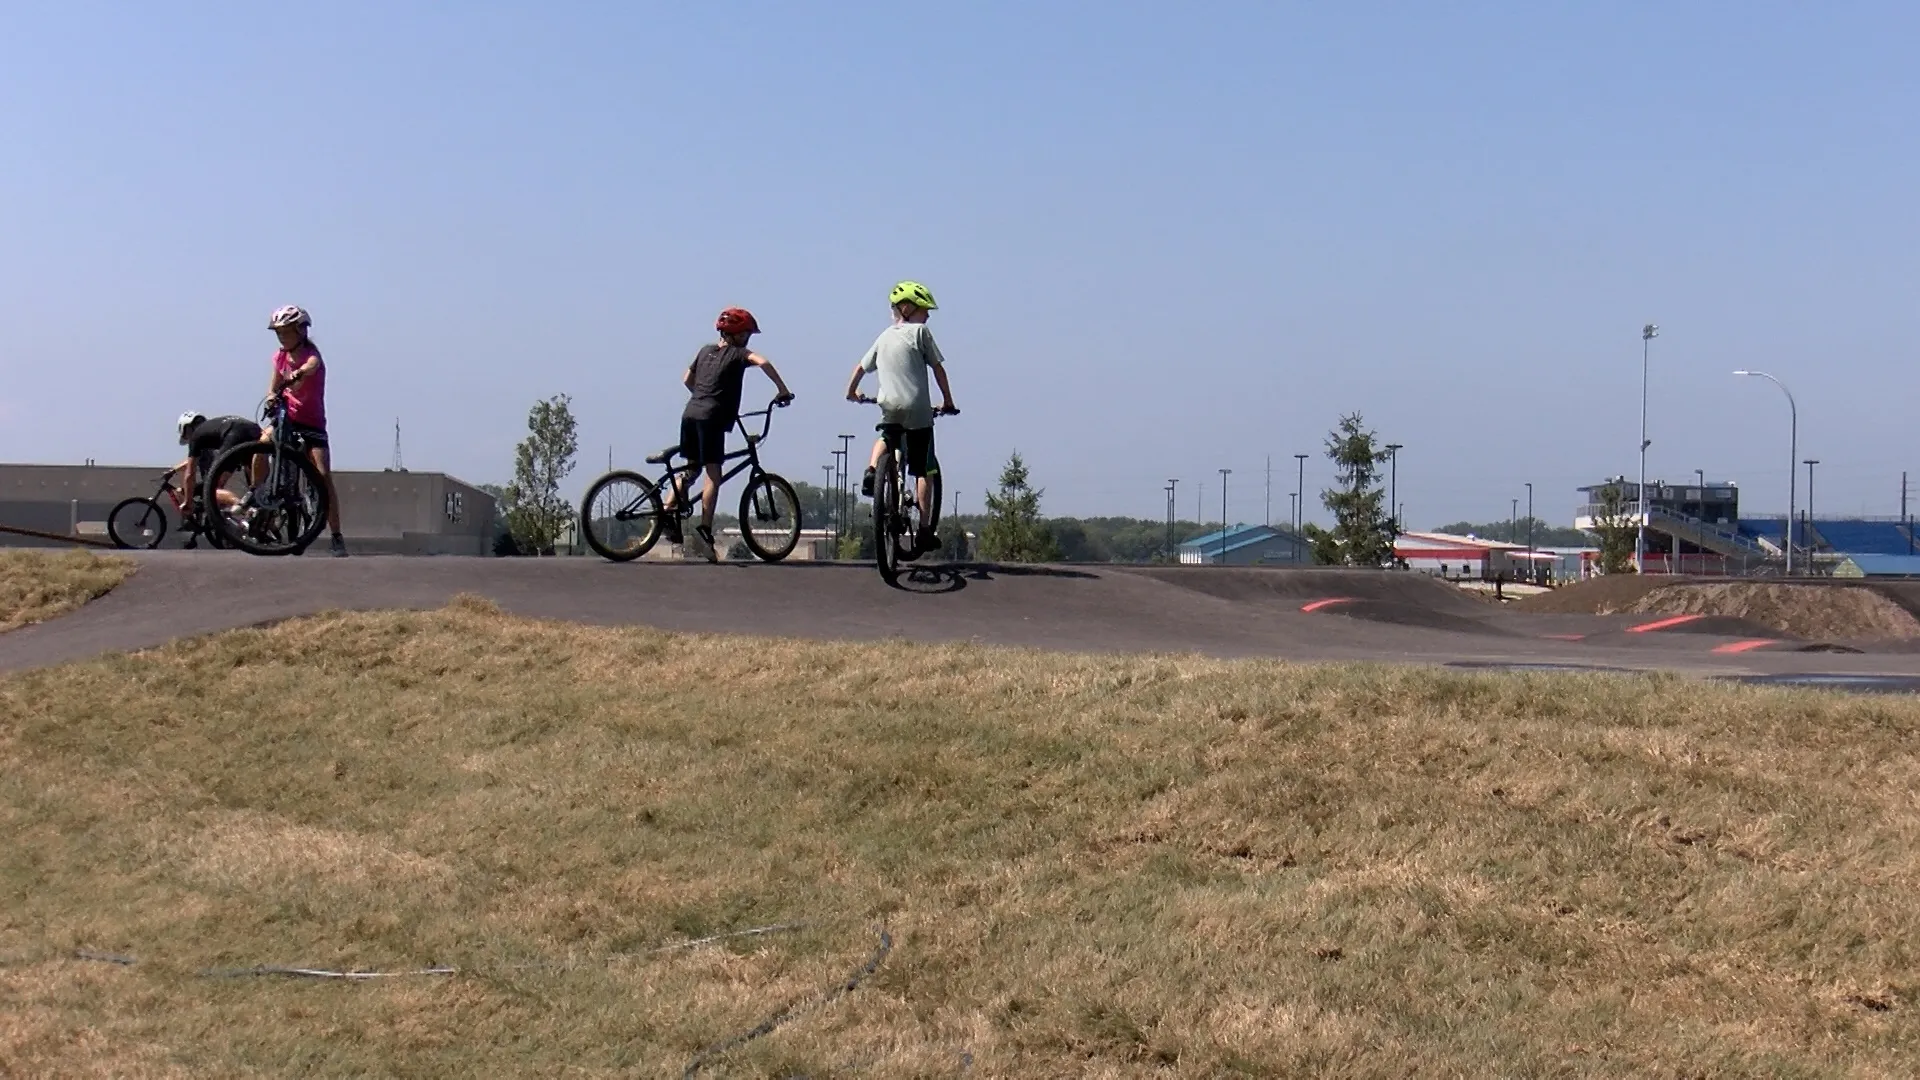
142,522
623,515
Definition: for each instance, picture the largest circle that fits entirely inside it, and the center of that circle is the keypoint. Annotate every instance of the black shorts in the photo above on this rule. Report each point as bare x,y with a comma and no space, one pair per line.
703,442
917,445
315,438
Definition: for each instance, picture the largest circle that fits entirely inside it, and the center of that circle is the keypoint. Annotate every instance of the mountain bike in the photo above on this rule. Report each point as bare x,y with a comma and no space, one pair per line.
142,522
623,515
896,510
280,497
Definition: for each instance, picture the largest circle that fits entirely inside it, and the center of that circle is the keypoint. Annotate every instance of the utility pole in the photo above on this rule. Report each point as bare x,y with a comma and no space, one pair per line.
1513,520
1223,516
1647,334
1393,485
1172,488
1300,485
1806,530
843,497
1903,510
1269,518
1529,525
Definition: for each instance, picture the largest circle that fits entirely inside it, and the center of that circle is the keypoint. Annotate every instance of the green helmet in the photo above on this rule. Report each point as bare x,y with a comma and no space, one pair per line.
914,293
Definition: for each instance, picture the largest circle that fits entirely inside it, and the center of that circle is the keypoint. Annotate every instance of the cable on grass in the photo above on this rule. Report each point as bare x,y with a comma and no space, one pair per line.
824,998
297,971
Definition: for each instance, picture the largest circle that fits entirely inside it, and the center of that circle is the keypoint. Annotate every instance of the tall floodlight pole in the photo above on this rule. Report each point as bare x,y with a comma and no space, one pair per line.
1529,521
1806,530
1793,452
1647,334
832,488
1269,518
1393,484
843,498
1223,515
1293,500
1300,486
1173,486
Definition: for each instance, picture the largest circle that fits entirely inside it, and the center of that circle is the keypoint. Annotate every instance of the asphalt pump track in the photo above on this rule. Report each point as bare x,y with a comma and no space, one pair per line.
1307,615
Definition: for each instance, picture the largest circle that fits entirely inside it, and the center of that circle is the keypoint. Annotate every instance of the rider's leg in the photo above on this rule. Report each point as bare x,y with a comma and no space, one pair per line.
873,463
710,495
925,466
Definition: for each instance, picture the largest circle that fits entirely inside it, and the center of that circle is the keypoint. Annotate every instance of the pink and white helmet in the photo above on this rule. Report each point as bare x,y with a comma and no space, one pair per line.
290,315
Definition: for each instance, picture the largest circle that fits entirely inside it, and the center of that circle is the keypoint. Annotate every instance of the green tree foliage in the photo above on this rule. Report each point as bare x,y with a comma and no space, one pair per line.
1614,522
953,541
1362,533
1014,531
536,512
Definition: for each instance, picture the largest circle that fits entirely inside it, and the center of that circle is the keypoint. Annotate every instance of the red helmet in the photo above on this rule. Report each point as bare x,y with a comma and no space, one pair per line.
736,321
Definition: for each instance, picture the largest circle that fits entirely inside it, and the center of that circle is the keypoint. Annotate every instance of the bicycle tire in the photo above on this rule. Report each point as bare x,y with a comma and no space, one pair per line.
281,527
775,490
609,543
125,533
886,505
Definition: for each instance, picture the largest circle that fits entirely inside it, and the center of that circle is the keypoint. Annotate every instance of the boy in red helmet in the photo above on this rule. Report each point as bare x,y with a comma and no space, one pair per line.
714,379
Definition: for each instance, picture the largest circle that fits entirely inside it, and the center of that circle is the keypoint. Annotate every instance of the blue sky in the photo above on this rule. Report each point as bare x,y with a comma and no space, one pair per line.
1166,241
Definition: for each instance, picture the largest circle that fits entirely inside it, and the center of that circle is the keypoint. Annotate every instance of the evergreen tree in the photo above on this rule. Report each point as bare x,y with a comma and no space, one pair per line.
1014,531
1363,531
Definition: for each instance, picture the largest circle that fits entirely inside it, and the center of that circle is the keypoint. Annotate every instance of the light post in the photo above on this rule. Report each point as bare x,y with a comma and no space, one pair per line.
1529,523
1173,486
1300,487
1793,452
1806,527
1647,334
843,498
1223,515
1393,484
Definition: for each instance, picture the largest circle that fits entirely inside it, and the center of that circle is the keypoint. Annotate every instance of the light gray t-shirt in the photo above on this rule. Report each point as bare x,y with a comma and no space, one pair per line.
901,354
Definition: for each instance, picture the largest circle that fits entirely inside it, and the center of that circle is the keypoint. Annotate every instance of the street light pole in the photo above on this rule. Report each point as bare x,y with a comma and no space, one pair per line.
1647,334
1223,516
843,499
1529,523
1806,527
1269,518
1393,484
1300,487
1793,452
1173,486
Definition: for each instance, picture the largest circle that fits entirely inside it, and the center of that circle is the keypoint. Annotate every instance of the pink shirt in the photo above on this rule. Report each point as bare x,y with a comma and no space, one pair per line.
307,402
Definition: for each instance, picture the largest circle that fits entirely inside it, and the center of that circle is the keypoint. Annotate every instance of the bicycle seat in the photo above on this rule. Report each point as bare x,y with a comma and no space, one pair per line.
661,457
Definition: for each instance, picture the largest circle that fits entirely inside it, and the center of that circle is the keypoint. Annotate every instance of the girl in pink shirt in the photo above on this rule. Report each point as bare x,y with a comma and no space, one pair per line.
301,374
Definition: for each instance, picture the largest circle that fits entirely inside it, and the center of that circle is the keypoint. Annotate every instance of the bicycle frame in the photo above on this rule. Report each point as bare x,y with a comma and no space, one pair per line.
674,479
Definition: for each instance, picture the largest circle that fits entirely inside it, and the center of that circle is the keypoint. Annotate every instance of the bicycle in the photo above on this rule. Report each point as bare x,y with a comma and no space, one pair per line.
896,509
281,496
142,522
622,525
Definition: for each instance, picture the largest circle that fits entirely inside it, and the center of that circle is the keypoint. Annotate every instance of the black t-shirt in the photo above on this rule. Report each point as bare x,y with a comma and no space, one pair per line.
209,437
718,371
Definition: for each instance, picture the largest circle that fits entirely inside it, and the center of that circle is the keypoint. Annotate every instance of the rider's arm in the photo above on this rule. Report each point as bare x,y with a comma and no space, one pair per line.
946,392
766,365
853,384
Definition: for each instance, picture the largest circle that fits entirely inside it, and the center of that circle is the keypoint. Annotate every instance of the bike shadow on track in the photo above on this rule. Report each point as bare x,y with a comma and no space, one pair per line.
938,578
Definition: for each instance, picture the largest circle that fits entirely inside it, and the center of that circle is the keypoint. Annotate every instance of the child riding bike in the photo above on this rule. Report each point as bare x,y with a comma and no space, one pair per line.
902,356
714,380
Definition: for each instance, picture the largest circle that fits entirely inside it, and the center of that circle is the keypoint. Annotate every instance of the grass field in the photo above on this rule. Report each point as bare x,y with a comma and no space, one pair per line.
37,585
1087,866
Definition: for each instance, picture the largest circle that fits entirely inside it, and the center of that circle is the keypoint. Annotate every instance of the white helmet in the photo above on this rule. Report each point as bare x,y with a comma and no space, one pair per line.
187,422
290,315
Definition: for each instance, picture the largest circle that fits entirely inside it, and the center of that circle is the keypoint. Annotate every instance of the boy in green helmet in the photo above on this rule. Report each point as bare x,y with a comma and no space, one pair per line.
901,356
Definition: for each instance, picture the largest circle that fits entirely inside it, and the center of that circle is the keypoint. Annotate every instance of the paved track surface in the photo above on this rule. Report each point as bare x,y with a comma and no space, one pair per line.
1313,615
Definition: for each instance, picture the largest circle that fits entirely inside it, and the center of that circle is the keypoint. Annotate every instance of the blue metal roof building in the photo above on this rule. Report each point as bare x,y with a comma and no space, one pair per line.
1858,566
1247,545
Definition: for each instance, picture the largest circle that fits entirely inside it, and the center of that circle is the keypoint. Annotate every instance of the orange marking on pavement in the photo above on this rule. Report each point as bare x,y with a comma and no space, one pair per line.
1745,646
1662,624
1318,604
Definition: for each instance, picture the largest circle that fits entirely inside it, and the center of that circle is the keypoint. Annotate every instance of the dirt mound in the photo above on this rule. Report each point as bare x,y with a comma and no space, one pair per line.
1610,594
1807,611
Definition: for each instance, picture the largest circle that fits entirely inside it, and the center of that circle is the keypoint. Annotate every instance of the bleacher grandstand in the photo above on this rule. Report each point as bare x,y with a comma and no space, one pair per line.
1860,537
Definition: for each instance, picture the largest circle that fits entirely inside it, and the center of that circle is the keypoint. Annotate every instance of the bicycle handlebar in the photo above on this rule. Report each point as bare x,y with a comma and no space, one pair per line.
766,424
862,399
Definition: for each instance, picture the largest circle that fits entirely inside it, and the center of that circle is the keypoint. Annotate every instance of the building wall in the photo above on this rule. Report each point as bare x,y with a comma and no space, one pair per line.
405,513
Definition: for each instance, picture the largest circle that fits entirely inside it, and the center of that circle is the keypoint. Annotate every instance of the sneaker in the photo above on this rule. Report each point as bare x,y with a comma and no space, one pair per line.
671,531
866,485
927,541
706,537
338,546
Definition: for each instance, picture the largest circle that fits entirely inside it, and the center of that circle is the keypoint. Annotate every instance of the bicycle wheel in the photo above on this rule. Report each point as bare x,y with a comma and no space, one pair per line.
886,510
770,517
621,514
137,523
281,499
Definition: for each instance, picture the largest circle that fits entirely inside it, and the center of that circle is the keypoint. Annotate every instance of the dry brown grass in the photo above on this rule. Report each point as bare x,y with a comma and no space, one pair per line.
1091,866
36,585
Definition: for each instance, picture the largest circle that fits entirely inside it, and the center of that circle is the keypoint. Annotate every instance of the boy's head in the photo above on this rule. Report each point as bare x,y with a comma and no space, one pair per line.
911,301
736,325
289,324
